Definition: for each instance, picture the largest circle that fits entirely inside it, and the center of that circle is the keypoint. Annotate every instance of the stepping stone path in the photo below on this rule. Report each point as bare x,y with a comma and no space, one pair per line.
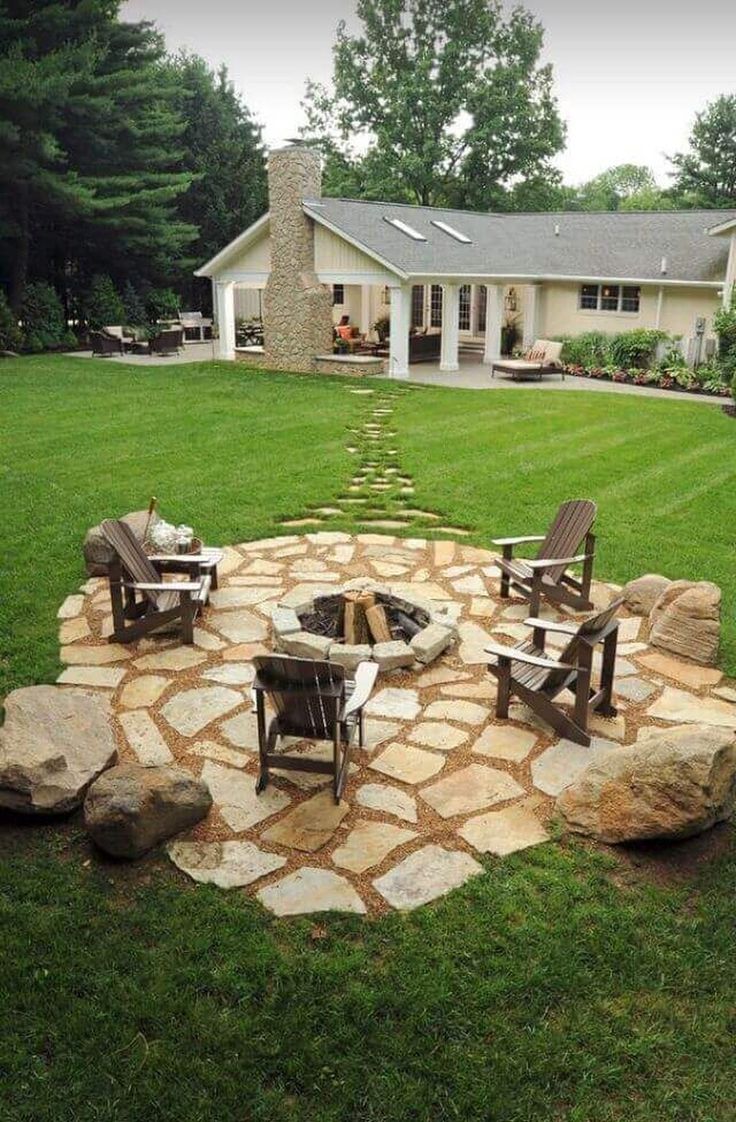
439,785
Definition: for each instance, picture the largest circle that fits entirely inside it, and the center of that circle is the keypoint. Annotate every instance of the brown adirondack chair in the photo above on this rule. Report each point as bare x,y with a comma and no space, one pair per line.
313,701
535,677
141,600
547,574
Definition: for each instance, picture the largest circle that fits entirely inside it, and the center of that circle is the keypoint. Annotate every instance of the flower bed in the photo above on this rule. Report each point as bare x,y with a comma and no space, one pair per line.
678,379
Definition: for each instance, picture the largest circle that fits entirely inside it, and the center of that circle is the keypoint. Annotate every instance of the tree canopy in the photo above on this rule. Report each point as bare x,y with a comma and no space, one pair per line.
706,175
438,102
623,187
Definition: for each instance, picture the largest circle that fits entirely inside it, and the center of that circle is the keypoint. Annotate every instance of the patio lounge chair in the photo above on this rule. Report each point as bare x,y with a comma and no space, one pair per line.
536,678
167,342
104,344
547,574
313,701
543,358
141,600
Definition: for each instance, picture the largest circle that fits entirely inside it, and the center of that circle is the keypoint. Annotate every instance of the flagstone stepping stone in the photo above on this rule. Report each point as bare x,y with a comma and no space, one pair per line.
262,567
174,658
410,765
394,702
341,554
71,630
377,539
385,523
485,690
388,800
474,787
470,586
632,648
329,537
686,709
425,590
426,875
309,780
53,744
311,890
232,674
243,652
502,632
190,711
242,731
387,569
146,742
231,561
443,553
211,750
85,655
628,629
504,831
237,597
560,765
239,626
234,794
440,674
473,641
207,642
144,691
303,522
292,551
466,712
727,693
438,734
505,742
688,673
369,843
269,543
310,825
635,689
270,586
457,571
72,606
478,556
106,677
228,864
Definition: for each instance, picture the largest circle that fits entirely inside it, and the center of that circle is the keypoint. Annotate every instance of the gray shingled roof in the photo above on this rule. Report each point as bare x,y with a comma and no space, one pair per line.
610,246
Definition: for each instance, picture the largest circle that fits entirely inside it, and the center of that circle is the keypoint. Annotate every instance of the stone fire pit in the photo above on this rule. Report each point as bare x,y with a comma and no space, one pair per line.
316,628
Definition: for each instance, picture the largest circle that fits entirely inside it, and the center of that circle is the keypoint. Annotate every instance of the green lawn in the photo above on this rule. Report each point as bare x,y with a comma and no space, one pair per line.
564,985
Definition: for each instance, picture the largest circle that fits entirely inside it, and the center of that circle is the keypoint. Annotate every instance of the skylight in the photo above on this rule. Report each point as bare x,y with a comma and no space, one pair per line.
451,231
405,228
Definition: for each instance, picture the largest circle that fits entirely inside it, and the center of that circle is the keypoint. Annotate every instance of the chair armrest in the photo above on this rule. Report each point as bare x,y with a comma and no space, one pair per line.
552,562
521,656
551,625
518,541
172,559
365,679
164,586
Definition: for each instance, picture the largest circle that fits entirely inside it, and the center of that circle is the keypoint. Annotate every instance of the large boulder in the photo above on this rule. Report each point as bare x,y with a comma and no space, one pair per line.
686,620
641,595
53,744
132,808
97,552
673,784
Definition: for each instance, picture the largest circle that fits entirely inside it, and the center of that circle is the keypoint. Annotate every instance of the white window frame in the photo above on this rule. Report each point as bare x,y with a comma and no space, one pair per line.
435,305
341,302
619,310
418,306
465,307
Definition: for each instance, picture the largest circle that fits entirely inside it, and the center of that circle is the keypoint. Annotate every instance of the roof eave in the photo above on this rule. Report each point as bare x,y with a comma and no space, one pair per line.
383,261
727,227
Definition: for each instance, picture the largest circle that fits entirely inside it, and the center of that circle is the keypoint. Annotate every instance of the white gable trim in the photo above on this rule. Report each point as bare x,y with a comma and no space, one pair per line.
353,241
728,227
215,264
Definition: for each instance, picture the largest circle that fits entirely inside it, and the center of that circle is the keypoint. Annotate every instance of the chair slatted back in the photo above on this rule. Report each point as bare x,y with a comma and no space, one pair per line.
304,692
131,554
590,630
572,523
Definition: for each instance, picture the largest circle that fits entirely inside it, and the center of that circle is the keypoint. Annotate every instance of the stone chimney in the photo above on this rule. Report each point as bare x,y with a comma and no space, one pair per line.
297,309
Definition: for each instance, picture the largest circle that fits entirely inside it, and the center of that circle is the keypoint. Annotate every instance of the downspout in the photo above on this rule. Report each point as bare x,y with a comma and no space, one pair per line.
660,305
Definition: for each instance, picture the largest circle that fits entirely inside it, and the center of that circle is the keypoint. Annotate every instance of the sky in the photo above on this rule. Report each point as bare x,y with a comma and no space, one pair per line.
630,75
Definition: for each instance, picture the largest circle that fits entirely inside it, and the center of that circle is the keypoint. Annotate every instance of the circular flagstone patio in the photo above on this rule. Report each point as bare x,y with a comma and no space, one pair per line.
440,782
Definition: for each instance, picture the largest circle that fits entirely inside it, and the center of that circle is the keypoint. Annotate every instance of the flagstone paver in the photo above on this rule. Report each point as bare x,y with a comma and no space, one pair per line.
229,864
504,831
426,875
390,800
190,711
368,843
311,890
436,763
471,788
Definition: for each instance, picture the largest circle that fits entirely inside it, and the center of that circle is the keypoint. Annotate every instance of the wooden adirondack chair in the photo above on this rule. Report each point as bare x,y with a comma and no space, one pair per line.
141,600
527,671
547,574
313,701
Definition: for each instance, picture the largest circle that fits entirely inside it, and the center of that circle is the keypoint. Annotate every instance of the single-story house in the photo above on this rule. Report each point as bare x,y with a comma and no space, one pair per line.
460,275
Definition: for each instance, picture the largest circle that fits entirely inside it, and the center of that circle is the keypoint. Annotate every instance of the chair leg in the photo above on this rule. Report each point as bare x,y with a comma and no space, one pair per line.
605,706
582,689
503,693
266,743
536,594
187,618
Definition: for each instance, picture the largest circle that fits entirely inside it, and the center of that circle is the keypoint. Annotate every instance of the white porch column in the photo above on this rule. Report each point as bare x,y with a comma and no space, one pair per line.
398,354
531,315
494,323
450,341
365,309
225,316
730,284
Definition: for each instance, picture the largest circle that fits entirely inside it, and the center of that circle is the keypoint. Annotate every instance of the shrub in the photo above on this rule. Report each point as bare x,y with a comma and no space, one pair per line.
589,350
161,303
635,348
133,305
42,317
724,323
10,333
102,304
